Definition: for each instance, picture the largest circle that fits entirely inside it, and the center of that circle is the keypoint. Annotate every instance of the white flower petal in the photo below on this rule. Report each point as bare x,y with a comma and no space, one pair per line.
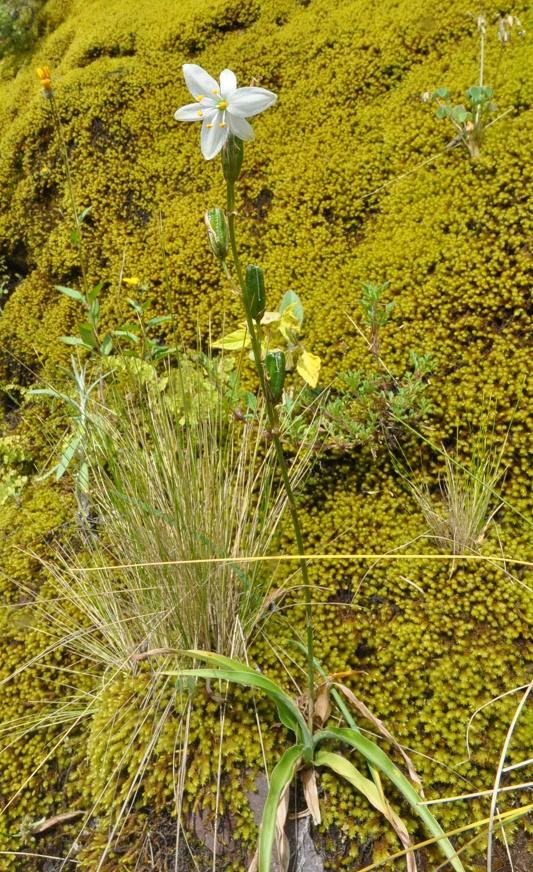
240,127
249,101
228,84
213,138
189,113
198,81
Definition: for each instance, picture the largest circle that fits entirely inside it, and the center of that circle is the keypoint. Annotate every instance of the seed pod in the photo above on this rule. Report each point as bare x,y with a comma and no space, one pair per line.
275,367
217,232
254,289
232,155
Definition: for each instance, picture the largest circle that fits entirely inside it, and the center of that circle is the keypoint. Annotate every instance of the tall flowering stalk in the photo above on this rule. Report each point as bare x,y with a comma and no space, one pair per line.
306,754
223,108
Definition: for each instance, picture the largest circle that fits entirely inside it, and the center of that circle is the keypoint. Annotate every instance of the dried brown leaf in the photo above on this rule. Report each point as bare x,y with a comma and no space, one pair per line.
322,709
282,842
42,826
384,732
311,794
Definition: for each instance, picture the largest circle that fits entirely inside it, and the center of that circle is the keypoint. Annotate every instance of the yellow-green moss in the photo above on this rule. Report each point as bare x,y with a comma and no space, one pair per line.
453,238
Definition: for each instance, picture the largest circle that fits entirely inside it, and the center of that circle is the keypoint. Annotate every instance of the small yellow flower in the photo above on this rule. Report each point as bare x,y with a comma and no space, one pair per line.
44,77
132,281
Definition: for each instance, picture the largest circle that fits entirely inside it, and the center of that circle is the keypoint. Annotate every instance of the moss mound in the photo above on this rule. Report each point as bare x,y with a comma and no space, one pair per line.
454,238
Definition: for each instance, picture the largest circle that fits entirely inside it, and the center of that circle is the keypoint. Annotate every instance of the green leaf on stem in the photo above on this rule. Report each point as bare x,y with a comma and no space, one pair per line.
83,215
70,292
87,335
95,291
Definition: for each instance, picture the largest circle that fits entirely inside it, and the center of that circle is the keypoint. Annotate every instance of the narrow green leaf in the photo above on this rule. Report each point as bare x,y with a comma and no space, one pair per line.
68,454
374,755
70,292
75,237
83,215
107,345
137,306
95,292
159,319
127,335
95,310
289,714
282,775
74,340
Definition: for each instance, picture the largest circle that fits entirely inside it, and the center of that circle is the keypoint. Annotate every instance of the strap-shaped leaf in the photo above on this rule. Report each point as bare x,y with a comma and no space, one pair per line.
281,776
341,766
378,758
289,714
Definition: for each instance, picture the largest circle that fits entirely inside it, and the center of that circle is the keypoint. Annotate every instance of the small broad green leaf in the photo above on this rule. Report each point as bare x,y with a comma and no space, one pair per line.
75,237
291,298
251,401
70,292
83,215
234,341
475,95
282,775
87,335
460,114
443,112
440,93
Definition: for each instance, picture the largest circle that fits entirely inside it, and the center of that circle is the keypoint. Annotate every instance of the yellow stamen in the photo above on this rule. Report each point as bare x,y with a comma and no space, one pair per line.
200,114
215,91
209,126
223,124
200,97
222,105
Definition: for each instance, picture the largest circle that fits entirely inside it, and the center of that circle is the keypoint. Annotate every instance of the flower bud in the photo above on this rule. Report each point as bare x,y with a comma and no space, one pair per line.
217,232
232,155
275,367
254,290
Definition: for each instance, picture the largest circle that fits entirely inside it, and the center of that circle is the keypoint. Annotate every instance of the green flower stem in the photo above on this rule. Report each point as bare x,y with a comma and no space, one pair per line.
274,428
59,129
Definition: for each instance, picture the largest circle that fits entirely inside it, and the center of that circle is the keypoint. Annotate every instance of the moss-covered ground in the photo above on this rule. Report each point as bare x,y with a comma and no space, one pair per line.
455,239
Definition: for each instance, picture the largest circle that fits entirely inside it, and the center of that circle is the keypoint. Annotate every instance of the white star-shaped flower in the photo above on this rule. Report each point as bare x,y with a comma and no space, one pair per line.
222,109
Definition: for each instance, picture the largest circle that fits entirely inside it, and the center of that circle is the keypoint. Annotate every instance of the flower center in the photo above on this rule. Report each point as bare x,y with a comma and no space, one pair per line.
222,105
